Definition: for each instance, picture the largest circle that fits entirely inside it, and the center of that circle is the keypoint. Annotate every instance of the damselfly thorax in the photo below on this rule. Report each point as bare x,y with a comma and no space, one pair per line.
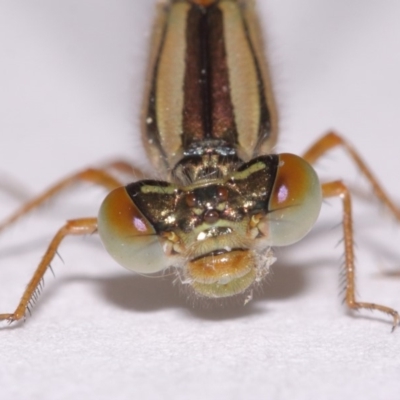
225,199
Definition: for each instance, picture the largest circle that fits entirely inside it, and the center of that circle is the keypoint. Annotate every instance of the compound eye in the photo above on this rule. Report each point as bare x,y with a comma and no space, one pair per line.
295,202
128,235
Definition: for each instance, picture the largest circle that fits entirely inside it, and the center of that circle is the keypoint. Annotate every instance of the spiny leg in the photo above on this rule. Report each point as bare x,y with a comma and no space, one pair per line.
331,140
98,176
339,189
81,226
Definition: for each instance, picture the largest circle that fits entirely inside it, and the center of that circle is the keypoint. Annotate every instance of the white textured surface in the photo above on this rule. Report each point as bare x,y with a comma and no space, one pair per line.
71,78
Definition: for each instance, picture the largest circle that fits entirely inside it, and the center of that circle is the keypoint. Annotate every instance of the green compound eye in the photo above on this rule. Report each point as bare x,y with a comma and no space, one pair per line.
128,235
294,204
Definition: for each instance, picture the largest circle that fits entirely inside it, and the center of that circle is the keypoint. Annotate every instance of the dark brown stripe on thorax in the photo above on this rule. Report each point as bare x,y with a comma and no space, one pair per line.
208,111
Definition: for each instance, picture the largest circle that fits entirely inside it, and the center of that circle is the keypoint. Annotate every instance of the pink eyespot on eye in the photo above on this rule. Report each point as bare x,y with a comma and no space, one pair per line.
283,194
139,225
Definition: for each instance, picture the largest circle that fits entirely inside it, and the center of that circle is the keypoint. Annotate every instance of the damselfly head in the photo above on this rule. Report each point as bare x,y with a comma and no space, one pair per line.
218,233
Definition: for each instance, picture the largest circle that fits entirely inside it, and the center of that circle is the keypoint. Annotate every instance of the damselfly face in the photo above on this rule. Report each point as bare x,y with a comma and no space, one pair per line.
216,231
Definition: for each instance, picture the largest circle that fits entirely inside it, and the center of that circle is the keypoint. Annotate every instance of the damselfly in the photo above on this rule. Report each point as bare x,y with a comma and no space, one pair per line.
225,199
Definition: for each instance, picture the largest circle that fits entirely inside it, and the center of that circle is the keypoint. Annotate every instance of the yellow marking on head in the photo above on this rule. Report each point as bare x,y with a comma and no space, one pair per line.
246,173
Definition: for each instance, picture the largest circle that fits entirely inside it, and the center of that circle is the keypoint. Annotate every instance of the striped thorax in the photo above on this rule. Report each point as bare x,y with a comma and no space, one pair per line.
209,82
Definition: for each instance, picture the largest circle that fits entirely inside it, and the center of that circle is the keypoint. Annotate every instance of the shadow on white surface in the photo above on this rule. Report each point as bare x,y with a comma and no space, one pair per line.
145,295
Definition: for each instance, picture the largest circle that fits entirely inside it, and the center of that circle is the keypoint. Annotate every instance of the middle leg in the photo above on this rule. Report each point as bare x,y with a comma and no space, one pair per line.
332,140
101,177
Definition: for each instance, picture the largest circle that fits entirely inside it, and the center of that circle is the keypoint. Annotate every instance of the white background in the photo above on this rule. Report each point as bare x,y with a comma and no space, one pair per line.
71,81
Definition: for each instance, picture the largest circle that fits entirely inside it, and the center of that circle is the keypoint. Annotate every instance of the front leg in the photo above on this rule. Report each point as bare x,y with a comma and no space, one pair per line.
339,189
82,226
